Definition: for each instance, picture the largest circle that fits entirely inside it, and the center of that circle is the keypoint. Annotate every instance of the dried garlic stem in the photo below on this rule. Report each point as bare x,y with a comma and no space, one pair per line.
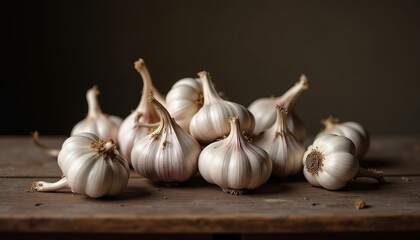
371,173
42,186
49,151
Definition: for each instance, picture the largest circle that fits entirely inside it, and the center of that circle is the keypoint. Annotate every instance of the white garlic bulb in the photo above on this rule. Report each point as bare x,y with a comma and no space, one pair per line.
352,130
137,125
265,114
284,150
233,163
184,100
330,162
168,155
90,166
103,125
209,123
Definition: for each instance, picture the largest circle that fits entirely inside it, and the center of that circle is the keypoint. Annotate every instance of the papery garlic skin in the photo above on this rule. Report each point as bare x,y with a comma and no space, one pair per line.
133,127
265,114
233,163
91,166
168,155
330,162
352,130
284,150
209,123
96,122
184,100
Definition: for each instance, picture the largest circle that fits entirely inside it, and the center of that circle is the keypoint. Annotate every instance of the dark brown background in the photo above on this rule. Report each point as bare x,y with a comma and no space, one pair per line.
361,57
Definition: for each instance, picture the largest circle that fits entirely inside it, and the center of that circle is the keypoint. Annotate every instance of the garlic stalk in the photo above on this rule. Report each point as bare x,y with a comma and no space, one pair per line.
168,155
91,166
330,162
284,150
103,125
265,114
233,163
352,130
184,100
209,123
134,126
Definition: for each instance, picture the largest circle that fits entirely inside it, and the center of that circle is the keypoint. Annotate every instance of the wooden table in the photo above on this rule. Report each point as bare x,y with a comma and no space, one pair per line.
287,208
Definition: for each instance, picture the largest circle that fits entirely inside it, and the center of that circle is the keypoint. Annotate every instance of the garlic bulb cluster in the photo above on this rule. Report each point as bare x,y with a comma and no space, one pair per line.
233,163
265,114
352,130
209,123
137,125
90,166
168,155
184,100
103,125
330,162
284,150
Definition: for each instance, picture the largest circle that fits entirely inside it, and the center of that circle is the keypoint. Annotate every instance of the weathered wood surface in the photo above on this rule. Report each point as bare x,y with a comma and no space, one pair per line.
279,206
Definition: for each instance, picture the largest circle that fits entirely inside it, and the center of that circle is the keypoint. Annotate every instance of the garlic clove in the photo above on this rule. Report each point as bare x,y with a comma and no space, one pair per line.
233,163
168,155
265,115
209,123
135,126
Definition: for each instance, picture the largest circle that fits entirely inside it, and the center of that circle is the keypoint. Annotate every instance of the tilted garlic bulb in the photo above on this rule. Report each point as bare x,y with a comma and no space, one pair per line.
352,130
265,114
209,123
134,126
184,100
90,166
233,163
284,150
330,162
168,155
103,125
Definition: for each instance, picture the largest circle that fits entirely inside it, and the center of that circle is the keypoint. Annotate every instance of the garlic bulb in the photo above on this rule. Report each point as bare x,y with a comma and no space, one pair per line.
284,150
134,126
90,166
209,123
184,99
330,162
352,130
168,155
96,122
233,163
102,125
265,114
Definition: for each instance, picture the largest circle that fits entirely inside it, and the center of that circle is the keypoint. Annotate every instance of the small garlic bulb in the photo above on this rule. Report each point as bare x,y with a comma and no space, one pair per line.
284,150
90,166
134,126
184,100
233,163
265,114
168,155
330,162
209,123
103,125
352,130
96,122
